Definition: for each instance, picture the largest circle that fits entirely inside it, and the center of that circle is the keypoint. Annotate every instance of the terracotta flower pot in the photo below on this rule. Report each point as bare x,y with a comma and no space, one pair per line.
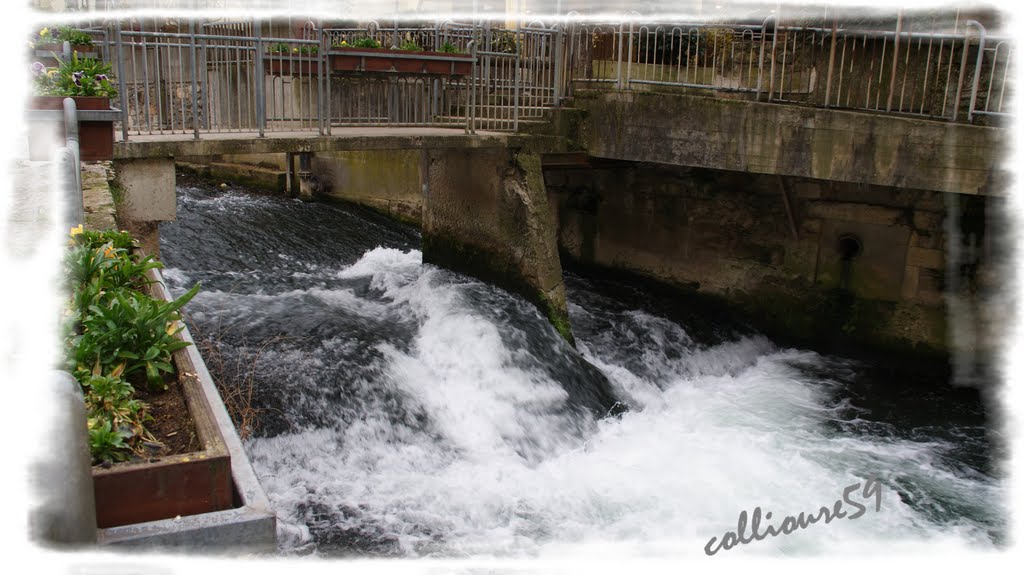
95,139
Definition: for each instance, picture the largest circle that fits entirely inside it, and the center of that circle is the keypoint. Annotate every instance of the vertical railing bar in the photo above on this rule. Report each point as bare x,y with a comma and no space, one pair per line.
977,67
321,55
259,79
963,72
122,85
1002,85
927,72
181,82
145,69
895,59
195,71
831,61
949,75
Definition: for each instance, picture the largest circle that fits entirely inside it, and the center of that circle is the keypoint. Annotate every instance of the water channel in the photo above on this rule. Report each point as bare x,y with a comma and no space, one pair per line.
410,411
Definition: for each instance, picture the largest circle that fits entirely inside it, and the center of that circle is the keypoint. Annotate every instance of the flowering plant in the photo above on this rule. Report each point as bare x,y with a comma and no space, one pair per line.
73,77
48,36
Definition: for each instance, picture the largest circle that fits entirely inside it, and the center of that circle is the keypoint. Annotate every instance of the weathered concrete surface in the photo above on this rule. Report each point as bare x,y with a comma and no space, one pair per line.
728,234
252,175
341,139
388,181
767,138
144,193
144,189
485,212
97,201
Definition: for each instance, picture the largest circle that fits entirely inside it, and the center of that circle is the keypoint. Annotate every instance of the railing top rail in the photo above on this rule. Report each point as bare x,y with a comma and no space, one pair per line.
253,39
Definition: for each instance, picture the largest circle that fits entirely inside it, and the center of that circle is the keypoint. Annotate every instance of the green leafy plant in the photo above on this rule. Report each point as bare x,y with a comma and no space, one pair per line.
365,43
410,46
106,442
59,35
286,48
504,41
279,48
449,48
73,77
116,334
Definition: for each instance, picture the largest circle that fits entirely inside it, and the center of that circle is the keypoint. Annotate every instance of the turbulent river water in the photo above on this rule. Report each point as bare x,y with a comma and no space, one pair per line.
406,410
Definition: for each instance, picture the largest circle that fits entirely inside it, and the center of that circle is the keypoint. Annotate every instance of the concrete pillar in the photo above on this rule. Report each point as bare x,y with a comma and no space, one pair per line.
144,192
485,213
308,183
62,478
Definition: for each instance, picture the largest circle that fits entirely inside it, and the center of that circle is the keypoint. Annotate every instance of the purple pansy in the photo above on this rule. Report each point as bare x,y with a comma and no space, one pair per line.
77,77
38,68
101,77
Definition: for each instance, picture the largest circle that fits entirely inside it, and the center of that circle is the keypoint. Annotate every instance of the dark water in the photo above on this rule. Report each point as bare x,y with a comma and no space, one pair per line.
410,411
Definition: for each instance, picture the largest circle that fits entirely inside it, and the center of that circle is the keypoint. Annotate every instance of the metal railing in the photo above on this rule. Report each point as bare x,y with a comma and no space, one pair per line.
229,77
952,76
70,168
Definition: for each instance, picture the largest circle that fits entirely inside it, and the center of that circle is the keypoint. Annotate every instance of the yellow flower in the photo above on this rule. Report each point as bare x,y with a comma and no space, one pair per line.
295,49
44,32
76,230
344,43
170,328
108,252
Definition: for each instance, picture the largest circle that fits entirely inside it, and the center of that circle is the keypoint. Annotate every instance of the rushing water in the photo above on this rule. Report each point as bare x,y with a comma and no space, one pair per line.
411,411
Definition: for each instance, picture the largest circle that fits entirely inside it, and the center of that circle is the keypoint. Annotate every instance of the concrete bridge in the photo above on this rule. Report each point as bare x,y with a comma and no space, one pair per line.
787,168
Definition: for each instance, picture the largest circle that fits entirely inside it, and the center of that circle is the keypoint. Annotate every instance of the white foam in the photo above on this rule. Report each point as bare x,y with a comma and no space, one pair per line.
502,470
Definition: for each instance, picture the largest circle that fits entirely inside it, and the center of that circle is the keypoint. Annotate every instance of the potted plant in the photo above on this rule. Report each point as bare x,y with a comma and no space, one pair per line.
48,44
86,81
367,55
283,59
155,450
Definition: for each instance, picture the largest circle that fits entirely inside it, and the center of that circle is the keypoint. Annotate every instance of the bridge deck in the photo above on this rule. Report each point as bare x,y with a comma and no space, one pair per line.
341,139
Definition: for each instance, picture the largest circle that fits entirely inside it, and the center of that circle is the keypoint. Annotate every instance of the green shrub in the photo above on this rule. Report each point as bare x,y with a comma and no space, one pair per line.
115,334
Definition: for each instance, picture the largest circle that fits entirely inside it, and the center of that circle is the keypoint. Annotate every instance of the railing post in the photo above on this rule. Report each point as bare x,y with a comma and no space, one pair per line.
977,69
122,85
323,64
321,54
895,60
771,70
195,73
515,94
259,82
73,173
760,57
618,63
831,62
559,55
471,97
629,57
66,49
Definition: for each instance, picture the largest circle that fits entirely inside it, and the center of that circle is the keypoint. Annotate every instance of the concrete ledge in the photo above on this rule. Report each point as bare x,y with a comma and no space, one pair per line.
791,140
342,139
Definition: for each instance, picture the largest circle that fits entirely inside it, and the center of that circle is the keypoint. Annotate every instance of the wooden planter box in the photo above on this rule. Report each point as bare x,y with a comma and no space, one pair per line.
286,65
189,484
384,60
95,139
